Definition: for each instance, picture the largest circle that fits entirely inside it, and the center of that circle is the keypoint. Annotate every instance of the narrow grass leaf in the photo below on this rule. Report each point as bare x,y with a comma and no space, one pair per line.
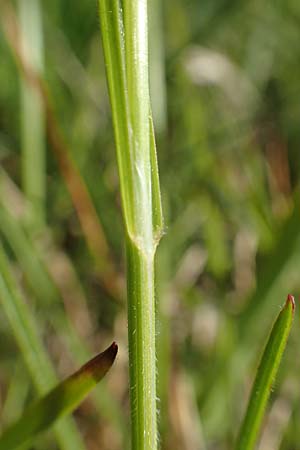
62,400
26,333
265,376
30,259
158,221
112,32
32,115
273,269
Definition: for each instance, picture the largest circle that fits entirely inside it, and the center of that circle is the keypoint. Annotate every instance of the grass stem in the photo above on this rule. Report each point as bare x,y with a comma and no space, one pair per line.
125,43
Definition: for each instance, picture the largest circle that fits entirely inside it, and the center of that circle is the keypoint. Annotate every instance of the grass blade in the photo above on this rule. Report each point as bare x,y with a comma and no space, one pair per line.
27,335
32,116
112,31
158,220
272,274
266,374
60,401
85,209
30,258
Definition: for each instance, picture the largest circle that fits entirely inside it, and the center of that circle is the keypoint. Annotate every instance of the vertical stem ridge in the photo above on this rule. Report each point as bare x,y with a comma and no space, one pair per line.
141,335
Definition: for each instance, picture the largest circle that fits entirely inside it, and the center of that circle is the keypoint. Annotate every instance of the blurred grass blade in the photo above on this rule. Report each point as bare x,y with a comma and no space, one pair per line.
60,401
32,116
266,374
26,333
30,258
273,274
77,188
16,395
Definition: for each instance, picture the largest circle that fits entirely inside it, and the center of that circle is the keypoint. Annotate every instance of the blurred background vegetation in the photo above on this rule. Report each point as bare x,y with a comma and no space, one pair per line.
225,92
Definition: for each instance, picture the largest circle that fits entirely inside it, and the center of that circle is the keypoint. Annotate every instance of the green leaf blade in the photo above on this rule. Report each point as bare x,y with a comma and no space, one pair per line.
158,220
112,31
265,376
59,402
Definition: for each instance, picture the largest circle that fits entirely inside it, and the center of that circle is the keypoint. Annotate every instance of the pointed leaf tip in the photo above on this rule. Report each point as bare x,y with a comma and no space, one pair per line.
100,364
63,399
265,376
290,301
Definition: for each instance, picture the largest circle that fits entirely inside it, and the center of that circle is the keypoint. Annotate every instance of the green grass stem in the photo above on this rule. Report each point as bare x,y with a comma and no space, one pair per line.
125,43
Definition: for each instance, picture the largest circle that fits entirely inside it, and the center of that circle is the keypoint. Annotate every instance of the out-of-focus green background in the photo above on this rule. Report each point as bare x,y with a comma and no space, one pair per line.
225,82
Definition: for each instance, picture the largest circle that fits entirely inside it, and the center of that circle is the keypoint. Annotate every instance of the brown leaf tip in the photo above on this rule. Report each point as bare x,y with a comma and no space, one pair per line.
290,300
101,363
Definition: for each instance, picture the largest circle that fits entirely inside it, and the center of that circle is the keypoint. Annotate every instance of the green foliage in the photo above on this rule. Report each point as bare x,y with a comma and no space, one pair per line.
265,377
27,336
224,88
59,402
